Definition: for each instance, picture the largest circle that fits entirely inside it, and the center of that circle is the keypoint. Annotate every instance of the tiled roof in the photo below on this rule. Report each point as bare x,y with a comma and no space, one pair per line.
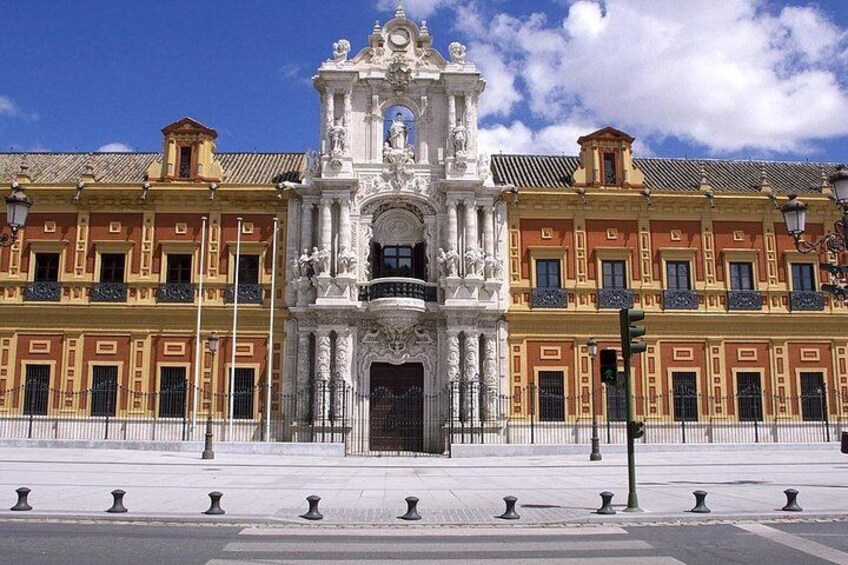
120,168
668,175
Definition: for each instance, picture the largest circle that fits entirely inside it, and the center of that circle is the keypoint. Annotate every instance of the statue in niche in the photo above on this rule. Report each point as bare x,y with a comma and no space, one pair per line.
305,260
295,270
457,52
460,139
474,262
338,138
397,133
493,267
341,50
320,261
346,261
448,263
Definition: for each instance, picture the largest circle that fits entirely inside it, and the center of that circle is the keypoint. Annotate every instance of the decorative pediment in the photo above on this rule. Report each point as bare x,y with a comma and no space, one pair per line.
606,160
189,153
608,134
191,126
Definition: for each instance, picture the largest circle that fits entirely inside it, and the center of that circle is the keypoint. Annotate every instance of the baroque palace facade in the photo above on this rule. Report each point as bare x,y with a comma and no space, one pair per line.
399,284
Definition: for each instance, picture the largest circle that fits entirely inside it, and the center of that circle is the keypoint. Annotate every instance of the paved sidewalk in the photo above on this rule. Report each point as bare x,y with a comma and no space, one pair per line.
76,483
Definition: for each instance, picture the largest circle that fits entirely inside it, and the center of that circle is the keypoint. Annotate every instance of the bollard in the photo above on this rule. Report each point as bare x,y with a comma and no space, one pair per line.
844,447
510,513
606,504
700,506
208,453
117,502
791,501
411,509
22,504
312,513
215,504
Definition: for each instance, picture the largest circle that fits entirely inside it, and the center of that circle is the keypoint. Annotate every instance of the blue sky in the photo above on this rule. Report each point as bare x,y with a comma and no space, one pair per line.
712,78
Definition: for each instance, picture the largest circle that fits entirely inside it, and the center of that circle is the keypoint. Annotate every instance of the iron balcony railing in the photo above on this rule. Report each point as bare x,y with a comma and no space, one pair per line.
109,292
744,300
615,298
548,298
43,291
175,293
806,301
680,300
398,287
247,294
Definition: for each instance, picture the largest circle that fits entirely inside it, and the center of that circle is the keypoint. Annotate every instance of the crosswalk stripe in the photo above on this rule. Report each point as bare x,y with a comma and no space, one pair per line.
809,547
442,546
418,533
524,561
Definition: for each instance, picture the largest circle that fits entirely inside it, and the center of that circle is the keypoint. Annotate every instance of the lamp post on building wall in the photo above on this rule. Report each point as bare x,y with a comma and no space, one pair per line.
592,346
795,216
212,343
17,209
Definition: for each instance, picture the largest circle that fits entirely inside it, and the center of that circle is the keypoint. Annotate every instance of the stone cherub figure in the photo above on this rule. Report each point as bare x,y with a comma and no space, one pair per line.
341,50
457,52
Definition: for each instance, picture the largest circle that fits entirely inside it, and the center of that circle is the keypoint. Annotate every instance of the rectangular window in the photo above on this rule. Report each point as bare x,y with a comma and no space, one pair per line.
547,274
179,269
685,394
397,261
248,269
741,276
243,394
104,390
551,396
112,267
610,174
37,390
172,392
749,394
813,397
616,409
613,272
185,162
46,267
803,277
677,275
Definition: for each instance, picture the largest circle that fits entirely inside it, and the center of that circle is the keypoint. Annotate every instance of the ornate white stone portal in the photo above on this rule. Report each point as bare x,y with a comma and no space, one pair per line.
396,245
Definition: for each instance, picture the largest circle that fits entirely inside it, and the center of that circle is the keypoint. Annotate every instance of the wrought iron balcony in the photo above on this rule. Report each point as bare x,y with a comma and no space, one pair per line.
680,300
615,298
397,287
744,300
175,293
247,294
108,292
43,291
548,298
806,301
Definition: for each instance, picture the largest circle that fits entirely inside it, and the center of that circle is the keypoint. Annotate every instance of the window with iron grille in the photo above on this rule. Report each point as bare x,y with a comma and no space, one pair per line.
616,407
547,273
803,277
37,390
610,170
685,395
172,392
749,394
46,267
243,390
551,396
677,275
179,269
112,267
813,397
104,390
185,162
248,269
614,274
741,276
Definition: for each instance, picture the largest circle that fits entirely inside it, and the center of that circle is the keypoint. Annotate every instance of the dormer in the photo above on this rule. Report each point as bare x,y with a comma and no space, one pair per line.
189,153
606,159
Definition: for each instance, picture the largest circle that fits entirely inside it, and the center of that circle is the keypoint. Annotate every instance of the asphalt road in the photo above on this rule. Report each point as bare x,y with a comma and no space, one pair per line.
24,543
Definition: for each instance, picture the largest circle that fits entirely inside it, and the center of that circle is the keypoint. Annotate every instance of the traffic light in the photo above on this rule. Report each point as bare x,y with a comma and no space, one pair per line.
630,345
636,429
609,366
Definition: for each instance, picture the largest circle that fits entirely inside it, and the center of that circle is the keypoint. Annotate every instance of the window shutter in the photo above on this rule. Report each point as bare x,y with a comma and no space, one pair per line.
376,260
419,261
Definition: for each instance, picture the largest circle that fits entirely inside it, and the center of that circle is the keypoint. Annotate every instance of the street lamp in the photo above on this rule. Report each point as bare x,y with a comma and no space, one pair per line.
795,217
17,209
212,343
592,345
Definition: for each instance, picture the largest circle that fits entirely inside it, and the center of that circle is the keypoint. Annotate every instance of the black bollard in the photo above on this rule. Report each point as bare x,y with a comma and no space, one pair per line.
700,506
22,504
791,501
606,503
510,513
117,502
411,509
844,446
312,513
215,504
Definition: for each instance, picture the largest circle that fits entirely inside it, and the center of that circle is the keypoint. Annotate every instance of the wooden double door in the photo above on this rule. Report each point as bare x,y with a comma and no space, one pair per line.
396,418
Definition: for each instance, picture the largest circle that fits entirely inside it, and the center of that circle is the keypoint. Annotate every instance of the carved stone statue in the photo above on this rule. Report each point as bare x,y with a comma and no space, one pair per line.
473,262
341,50
452,263
320,261
294,269
338,138
479,263
493,268
460,139
457,52
398,132
443,263
306,269
484,167
346,261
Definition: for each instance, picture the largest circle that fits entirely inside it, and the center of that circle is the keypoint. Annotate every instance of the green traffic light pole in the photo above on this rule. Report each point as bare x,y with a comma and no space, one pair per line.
628,347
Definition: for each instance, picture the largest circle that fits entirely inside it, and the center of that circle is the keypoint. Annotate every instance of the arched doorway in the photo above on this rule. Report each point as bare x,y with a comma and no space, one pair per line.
396,418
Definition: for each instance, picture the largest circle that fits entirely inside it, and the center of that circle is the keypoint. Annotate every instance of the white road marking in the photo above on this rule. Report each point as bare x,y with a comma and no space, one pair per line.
524,561
796,542
419,532
503,544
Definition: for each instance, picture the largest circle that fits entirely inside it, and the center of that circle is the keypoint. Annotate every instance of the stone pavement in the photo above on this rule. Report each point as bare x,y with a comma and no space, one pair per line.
266,489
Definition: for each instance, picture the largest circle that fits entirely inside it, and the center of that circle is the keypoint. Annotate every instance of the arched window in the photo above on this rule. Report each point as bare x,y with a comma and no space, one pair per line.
399,127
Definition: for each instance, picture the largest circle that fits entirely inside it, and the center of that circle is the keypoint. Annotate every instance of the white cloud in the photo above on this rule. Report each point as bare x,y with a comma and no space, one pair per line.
114,147
415,8
730,79
10,109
